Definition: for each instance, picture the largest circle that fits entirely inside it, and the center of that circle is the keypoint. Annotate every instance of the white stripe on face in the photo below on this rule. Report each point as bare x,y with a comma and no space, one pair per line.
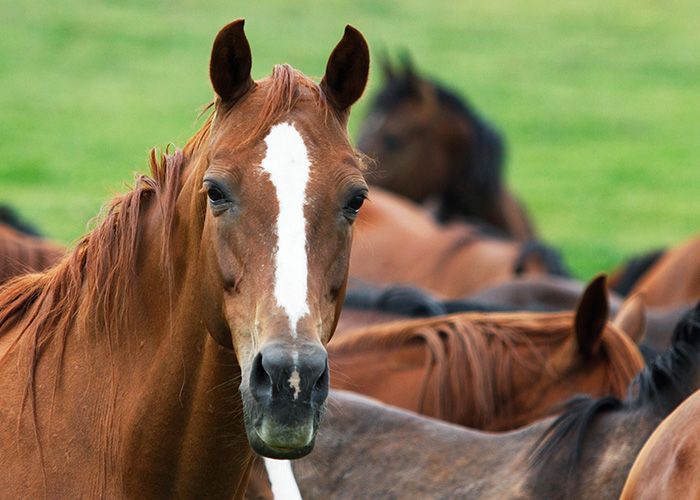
287,163
281,475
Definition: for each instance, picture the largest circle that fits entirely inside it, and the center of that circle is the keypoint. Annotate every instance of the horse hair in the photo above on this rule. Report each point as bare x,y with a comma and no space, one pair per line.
10,217
551,258
412,302
635,268
472,347
660,387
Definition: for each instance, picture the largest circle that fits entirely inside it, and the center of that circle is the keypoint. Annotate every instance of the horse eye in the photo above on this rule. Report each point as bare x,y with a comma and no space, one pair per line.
354,205
215,195
356,202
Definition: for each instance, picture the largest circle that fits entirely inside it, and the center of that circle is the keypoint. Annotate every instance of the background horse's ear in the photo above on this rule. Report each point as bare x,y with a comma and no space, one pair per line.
591,316
229,68
631,318
385,64
347,70
409,69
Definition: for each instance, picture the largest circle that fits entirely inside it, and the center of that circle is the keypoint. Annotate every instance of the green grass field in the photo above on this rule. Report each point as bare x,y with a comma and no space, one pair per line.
598,100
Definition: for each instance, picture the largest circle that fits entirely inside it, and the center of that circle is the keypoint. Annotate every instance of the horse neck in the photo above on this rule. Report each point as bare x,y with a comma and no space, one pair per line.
170,417
609,448
188,409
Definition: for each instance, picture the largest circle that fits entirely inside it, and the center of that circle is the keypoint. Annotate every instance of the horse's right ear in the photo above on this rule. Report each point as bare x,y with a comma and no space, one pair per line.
231,62
631,317
347,70
591,316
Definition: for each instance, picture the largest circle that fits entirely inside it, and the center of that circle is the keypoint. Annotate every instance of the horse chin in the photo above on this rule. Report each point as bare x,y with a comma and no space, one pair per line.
276,438
261,447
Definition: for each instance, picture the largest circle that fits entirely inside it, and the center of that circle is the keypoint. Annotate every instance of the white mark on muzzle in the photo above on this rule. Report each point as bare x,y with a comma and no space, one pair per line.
282,482
294,381
287,163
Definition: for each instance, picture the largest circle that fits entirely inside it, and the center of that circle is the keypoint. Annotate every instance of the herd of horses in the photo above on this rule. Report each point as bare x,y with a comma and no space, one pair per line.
187,335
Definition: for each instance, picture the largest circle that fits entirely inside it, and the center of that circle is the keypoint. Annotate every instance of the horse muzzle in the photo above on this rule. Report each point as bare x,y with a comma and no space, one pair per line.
288,386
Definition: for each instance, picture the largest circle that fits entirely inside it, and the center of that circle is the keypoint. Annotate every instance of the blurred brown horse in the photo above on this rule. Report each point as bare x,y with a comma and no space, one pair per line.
187,330
674,279
397,241
429,144
493,371
22,249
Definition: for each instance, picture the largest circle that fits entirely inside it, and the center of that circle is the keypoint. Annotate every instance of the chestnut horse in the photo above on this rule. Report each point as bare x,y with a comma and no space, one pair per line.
493,371
667,467
190,325
585,453
22,249
429,143
674,280
397,241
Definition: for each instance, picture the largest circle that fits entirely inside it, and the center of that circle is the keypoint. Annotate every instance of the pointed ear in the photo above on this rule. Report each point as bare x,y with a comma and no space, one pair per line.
631,317
347,70
385,64
409,69
230,64
591,316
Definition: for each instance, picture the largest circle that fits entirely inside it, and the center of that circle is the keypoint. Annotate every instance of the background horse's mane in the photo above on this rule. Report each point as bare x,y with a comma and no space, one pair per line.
412,302
480,349
660,387
9,217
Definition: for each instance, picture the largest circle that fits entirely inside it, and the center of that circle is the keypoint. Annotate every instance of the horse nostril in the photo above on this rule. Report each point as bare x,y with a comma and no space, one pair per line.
260,381
323,380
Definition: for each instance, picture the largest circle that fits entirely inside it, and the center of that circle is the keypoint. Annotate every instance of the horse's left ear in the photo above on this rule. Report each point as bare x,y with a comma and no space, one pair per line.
591,316
631,317
347,70
231,62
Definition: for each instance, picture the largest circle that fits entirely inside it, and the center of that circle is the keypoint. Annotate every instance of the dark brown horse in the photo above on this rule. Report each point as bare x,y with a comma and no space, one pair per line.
429,144
495,371
398,241
22,250
190,325
585,453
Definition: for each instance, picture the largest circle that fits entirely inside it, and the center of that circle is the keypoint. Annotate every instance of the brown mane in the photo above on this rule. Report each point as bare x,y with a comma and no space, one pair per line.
283,90
474,347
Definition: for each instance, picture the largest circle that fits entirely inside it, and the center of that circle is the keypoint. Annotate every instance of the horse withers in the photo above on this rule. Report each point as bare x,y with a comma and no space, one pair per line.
190,325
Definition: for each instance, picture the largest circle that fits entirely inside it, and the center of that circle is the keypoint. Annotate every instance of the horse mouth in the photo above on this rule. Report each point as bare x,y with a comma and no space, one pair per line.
279,450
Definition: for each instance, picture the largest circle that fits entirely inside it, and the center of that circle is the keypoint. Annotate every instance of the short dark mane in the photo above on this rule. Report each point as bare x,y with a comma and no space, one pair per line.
11,218
412,302
660,387
550,257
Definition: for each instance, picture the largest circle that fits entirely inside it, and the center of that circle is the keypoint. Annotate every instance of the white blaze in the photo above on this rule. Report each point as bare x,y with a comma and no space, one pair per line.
281,475
287,163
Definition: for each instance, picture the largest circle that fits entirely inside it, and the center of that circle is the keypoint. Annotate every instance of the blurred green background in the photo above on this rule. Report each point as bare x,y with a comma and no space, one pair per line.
598,100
